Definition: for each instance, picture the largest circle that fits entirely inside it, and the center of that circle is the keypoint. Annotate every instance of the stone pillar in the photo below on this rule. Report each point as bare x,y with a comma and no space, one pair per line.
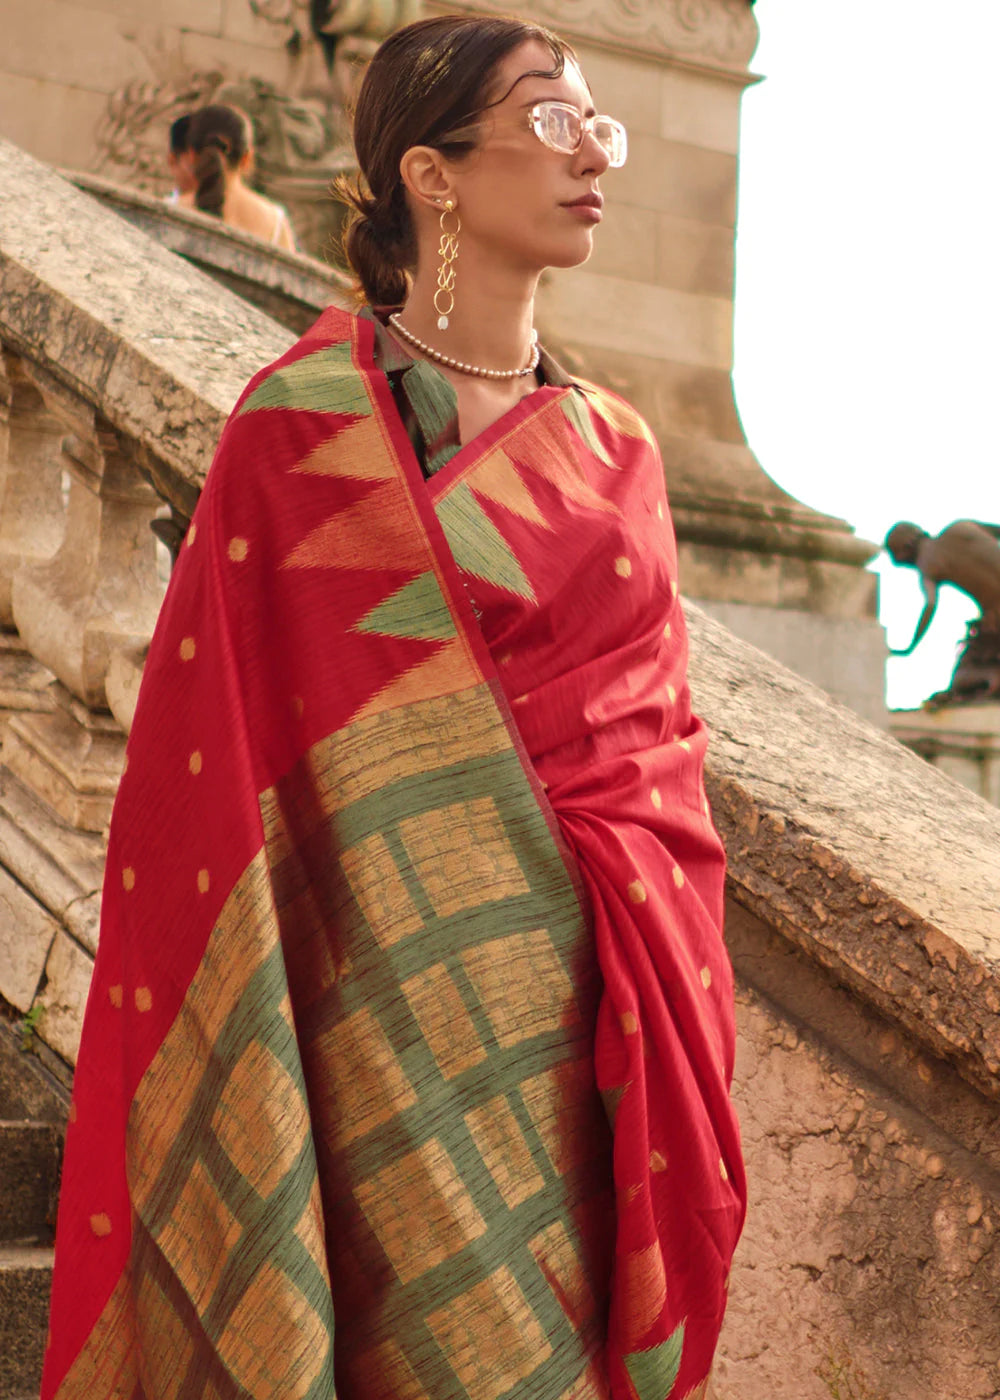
32,512
82,588
100,591
961,740
651,316
32,520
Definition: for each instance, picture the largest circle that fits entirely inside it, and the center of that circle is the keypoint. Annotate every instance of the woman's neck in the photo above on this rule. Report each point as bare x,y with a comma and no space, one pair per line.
233,183
490,324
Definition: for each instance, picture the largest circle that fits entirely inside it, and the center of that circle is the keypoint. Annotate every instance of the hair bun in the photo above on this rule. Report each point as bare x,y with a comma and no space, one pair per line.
373,249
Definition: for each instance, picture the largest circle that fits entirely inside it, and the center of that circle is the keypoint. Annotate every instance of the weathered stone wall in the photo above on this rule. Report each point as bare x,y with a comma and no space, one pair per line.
871,1250
63,60
864,925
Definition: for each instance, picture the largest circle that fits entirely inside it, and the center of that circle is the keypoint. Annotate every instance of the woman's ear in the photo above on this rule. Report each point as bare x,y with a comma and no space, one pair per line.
426,176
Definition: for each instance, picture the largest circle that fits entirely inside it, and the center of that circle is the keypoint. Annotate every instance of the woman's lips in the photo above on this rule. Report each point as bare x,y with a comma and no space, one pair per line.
588,207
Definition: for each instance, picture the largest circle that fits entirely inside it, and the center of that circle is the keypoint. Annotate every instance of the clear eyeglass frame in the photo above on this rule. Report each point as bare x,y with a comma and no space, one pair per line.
560,127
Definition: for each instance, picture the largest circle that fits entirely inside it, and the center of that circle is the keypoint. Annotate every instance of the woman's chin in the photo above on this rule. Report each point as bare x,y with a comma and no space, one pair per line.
573,252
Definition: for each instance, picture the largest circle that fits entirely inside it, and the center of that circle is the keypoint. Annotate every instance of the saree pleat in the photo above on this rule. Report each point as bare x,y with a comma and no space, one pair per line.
411,891
591,649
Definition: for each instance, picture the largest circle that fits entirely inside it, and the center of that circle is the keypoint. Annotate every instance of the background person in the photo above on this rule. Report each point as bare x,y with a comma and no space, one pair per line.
221,142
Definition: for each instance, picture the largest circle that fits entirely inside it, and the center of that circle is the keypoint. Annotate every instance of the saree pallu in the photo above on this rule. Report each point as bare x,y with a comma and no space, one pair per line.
411,891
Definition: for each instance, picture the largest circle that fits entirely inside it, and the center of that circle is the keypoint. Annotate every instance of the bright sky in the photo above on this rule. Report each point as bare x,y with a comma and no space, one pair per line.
868,279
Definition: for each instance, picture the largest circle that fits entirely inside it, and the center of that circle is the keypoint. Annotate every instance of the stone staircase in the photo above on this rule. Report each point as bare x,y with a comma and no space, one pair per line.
33,1108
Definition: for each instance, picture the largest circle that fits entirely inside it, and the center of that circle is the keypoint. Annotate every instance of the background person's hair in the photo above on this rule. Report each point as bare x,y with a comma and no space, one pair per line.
179,128
426,81
220,137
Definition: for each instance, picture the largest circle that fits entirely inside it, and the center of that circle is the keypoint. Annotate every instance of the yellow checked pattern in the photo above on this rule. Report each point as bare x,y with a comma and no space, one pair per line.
445,1025
372,1136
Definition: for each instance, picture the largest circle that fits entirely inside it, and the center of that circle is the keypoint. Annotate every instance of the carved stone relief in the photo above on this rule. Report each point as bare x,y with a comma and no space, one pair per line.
715,30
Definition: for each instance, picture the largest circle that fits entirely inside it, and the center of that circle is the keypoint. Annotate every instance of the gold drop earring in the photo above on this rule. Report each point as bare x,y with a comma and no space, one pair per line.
444,297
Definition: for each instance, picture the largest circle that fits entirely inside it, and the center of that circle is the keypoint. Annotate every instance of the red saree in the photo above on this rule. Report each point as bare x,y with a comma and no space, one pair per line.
406,753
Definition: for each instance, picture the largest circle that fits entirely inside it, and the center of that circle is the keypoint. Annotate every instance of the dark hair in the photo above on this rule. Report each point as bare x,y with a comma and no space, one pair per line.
426,81
179,142
220,137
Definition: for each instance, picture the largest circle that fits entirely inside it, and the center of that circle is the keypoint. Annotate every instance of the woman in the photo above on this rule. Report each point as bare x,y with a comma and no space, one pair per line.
412,867
220,140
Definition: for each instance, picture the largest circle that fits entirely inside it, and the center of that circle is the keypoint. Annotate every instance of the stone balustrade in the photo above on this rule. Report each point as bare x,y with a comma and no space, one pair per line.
119,363
292,288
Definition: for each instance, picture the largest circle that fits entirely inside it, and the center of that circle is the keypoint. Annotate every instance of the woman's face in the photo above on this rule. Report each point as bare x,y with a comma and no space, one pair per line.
520,202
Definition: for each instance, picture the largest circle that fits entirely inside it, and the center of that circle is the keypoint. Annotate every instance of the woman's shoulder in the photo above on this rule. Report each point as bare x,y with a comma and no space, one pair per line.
333,350
302,398
251,211
615,411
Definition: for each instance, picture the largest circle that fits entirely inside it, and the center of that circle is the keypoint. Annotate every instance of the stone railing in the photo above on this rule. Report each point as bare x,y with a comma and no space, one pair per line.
119,363
292,288
863,921
863,888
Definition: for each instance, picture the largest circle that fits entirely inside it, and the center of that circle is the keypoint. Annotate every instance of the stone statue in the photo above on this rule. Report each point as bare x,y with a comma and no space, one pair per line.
967,556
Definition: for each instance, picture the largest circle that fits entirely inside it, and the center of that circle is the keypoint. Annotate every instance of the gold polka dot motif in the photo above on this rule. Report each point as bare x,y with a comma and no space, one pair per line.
238,549
656,797
116,995
623,567
629,1024
671,695
194,762
128,878
143,999
187,649
657,1162
204,880
706,977
637,892
191,536
101,1225
678,877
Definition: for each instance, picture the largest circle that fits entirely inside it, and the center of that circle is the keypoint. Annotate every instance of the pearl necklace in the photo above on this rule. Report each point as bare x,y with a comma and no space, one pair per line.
433,354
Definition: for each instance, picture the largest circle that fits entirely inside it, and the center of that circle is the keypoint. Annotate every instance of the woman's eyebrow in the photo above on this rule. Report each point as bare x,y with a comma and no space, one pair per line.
590,111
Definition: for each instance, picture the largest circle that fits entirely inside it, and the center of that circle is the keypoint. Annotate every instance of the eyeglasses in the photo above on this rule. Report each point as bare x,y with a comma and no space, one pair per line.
560,126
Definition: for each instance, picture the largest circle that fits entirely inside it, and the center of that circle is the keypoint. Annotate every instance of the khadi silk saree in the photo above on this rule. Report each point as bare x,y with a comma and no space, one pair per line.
405,1068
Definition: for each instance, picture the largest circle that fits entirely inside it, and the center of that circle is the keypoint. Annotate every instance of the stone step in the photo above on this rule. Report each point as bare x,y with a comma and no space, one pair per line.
25,1280
28,1090
30,1155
